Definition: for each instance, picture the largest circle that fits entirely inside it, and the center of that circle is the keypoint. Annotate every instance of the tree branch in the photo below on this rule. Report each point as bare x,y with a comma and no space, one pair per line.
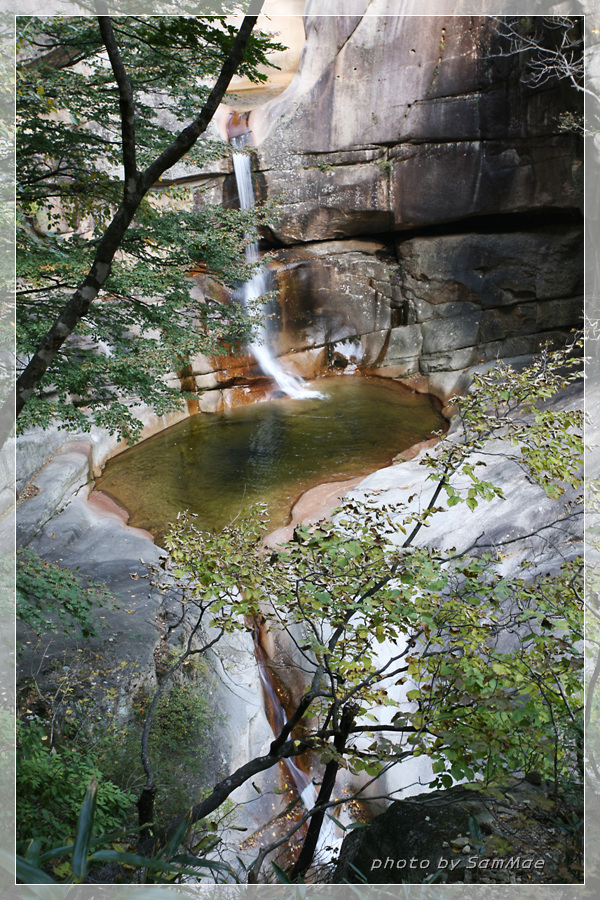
224,788
187,138
126,103
311,840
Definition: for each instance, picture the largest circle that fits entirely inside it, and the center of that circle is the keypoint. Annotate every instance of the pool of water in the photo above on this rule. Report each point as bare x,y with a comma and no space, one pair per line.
215,466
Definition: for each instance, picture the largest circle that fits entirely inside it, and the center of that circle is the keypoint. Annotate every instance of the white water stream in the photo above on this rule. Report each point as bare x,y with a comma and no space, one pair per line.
292,386
303,783
257,286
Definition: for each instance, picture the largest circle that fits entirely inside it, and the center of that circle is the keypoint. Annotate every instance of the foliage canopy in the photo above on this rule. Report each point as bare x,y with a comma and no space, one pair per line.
148,321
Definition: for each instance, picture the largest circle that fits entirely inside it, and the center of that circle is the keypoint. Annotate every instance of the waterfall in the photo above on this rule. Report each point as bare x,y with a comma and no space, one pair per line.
257,285
302,782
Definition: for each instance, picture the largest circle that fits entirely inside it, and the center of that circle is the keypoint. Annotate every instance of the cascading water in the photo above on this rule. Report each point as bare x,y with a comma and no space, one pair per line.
257,286
303,783
253,289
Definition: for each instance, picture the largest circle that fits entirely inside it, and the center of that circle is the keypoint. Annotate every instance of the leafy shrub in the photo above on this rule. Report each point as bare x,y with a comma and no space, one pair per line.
181,718
182,739
45,589
73,862
51,785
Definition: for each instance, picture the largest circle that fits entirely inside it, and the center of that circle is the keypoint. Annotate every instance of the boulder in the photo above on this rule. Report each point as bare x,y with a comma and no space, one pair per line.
414,839
455,835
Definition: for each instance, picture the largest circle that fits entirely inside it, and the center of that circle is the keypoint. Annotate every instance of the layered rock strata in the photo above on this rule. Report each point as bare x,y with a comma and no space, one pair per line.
429,203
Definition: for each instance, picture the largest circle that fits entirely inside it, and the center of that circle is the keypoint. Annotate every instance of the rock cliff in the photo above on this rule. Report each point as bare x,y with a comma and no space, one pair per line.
430,205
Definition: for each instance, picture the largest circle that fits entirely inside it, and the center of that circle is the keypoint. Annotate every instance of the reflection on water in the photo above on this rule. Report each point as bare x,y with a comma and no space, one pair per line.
216,465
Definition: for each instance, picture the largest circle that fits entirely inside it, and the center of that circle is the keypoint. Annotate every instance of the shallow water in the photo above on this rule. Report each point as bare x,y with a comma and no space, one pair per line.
215,466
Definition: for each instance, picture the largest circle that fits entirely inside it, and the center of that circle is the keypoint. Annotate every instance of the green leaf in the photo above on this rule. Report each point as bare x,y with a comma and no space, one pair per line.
177,837
155,864
281,876
84,831
30,874
336,821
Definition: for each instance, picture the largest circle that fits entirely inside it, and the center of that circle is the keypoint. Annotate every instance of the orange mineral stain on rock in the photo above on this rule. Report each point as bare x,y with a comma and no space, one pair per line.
104,507
312,506
237,124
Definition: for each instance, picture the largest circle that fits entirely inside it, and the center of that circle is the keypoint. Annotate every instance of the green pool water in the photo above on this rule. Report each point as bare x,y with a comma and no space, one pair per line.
217,465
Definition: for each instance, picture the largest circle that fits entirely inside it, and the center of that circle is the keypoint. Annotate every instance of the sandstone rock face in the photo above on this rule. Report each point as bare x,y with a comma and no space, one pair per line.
478,296
429,213
491,270
404,121
332,293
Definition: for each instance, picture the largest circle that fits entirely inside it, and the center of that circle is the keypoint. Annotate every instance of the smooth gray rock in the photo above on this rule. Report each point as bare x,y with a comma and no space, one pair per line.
34,449
66,472
103,550
404,343
453,334
8,486
525,517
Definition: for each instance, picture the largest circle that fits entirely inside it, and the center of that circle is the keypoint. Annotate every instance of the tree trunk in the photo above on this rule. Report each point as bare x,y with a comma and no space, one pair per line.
311,840
145,807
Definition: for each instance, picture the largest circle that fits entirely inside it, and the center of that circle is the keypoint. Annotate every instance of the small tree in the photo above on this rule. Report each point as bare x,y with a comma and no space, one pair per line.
552,48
